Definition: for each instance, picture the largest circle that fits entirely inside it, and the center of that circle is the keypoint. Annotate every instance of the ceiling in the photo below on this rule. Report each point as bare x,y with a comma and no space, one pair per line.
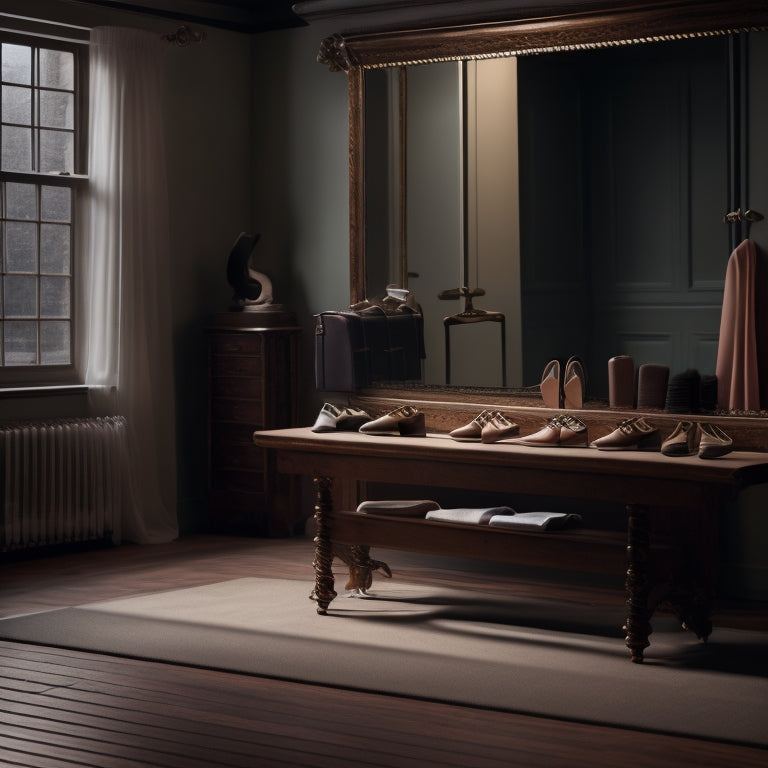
241,15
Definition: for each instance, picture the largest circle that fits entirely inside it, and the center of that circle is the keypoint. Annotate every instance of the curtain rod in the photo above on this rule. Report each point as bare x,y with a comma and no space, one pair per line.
12,22
184,36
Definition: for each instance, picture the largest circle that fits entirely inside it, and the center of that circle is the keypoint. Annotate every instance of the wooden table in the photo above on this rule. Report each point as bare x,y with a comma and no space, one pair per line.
640,481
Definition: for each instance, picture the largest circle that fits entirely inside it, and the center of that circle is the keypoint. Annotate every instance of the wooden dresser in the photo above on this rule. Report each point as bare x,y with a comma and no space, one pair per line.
253,362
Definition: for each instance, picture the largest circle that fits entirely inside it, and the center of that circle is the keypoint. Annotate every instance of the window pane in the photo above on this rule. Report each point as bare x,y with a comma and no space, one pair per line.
56,203
57,110
17,149
54,297
54,249
21,201
57,151
20,343
17,105
17,63
39,112
54,343
20,296
21,247
57,69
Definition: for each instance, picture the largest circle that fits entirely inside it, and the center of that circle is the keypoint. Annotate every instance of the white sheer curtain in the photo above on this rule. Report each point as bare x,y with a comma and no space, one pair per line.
126,315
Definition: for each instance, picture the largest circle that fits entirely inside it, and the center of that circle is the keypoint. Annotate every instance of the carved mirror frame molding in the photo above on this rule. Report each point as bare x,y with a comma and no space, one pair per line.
554,28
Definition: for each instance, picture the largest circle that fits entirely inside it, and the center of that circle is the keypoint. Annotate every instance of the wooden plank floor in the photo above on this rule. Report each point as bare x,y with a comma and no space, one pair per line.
61,708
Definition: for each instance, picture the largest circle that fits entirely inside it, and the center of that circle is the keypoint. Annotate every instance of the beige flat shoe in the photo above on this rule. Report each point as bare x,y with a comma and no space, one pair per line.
683,441
574,384
551,384
713,442
327,419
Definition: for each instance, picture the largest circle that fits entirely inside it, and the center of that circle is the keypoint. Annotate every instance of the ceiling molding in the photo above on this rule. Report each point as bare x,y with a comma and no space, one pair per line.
248,16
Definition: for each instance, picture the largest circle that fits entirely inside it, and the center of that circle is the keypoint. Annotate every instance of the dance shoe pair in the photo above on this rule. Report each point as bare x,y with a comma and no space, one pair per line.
564,431
486,427
405,420
332,418
688,438
634,434
564,386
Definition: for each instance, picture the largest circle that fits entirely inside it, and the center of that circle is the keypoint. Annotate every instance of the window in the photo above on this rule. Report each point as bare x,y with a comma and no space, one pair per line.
42,157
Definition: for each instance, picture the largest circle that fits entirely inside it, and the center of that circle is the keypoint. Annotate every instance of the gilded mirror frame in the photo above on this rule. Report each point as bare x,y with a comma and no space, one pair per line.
554,28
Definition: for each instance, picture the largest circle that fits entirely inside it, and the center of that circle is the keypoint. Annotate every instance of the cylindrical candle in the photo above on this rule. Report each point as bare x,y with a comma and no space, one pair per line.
621,382
652,382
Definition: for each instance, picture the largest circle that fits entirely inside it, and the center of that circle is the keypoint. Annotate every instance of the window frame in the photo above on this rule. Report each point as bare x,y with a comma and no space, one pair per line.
33,376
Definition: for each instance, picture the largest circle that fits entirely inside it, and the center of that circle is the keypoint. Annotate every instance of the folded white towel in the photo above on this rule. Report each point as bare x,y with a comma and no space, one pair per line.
399,507
542,521
480,516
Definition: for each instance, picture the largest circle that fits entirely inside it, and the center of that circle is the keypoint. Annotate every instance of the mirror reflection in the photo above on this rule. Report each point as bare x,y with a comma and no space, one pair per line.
582,192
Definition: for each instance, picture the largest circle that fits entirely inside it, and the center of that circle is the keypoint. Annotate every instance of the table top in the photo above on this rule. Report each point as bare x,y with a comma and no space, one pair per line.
739,468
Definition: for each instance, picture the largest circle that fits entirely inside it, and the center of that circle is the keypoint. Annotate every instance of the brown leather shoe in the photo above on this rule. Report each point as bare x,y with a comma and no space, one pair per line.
406,421
472,432
547,437
634,434
564,431
498,427
573,432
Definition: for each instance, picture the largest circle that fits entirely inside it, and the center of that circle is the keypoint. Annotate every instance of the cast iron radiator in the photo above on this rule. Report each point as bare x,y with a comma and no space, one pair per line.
60,481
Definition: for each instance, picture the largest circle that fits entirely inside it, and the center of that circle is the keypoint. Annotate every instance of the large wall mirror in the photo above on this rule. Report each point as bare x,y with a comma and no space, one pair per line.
576,173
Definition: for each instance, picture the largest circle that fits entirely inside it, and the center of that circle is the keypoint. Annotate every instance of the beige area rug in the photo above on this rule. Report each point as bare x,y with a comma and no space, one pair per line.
545,658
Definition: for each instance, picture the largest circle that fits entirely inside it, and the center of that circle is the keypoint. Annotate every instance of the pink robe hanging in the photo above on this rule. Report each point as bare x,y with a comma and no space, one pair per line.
742,355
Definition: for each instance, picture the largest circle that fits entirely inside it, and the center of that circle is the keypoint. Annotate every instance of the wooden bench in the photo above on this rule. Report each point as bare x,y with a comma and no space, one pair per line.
681,575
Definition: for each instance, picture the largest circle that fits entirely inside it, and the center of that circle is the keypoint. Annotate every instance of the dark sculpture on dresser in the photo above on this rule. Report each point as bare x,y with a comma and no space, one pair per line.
252,289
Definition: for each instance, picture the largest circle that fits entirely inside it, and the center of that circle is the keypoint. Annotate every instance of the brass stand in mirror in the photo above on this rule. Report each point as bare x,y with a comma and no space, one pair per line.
471,315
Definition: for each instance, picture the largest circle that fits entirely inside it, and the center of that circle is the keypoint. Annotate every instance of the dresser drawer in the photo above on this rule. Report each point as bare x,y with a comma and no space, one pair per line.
232,433
232,365
247,411
250,344
250,388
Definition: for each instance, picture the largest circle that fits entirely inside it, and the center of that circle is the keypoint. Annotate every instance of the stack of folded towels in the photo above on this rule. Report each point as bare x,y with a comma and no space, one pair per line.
497,517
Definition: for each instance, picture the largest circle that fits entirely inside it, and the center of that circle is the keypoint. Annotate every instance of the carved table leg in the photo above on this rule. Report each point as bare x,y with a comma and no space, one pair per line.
323,592
638,626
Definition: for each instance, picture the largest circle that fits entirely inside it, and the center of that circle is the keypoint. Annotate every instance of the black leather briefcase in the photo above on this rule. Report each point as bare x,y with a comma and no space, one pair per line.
353,349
